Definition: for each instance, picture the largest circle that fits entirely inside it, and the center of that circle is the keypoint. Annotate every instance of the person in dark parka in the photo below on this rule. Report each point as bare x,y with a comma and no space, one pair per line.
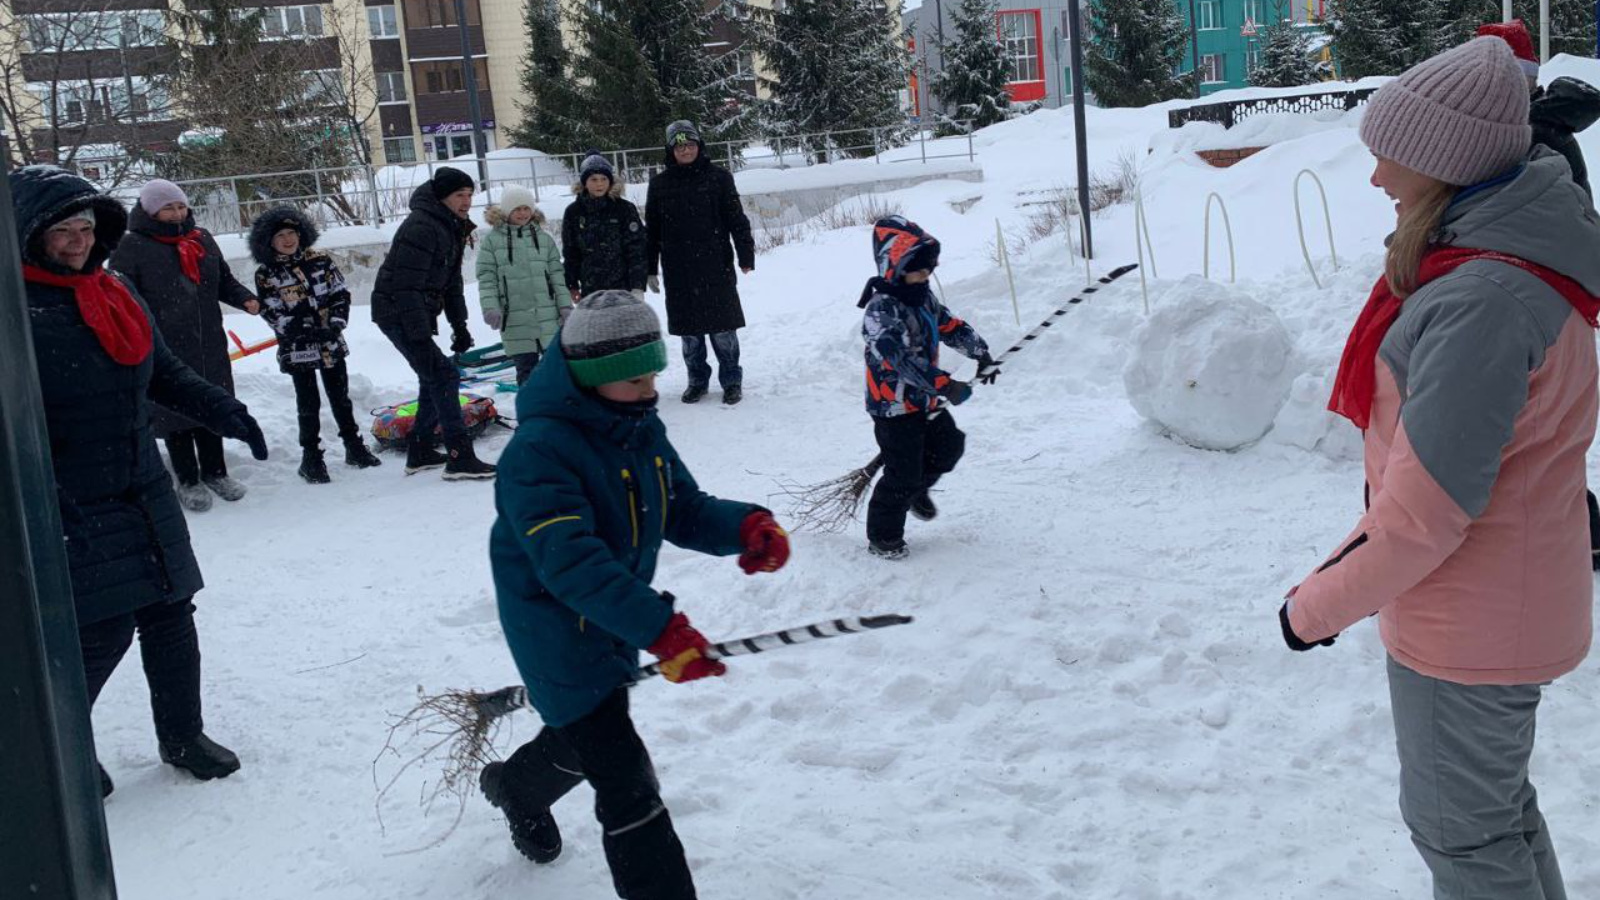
419,279
102,368
304,299
601,235
692,214
181,273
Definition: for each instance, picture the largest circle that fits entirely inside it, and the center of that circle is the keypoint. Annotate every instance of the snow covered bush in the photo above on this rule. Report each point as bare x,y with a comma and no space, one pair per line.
1211,367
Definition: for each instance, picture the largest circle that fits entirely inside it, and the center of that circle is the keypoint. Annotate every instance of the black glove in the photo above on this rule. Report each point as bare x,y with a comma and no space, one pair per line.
241,427
460,340
957,392
1292,639
988,369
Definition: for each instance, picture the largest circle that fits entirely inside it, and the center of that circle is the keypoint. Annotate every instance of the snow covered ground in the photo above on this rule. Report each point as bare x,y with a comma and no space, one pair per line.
1094,702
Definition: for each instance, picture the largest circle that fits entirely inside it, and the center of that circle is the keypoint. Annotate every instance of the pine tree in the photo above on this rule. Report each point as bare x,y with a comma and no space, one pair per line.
554,118
973,81
1286,58
837,65
1572,22
1133,55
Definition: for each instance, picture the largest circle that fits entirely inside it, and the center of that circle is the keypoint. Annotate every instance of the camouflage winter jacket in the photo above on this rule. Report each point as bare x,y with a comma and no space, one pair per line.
903,327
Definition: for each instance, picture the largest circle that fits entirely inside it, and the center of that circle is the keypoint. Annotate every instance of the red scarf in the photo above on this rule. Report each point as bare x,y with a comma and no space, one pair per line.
107,308
190,251
1357,380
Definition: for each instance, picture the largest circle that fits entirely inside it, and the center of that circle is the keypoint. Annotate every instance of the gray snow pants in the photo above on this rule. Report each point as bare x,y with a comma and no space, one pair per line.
1464,788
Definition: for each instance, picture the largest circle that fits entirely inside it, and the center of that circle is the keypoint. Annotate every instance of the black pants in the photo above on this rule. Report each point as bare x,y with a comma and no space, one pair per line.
525,363
170,649
1594,523
438,385
196,453
603,748
336,381
917,451
725,344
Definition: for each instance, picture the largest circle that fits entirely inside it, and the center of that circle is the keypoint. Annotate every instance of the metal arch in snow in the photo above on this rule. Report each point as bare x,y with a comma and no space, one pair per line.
1142,242
1300,225
1206,250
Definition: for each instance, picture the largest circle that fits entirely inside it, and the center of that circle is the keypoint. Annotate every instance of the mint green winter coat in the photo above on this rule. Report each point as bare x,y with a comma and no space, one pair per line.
520,276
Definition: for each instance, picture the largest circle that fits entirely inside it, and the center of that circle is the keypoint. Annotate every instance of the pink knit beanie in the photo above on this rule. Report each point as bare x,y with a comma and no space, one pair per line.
158,192
1460,117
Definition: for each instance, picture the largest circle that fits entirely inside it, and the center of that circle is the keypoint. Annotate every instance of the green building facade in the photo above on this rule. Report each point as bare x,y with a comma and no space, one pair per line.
1228,35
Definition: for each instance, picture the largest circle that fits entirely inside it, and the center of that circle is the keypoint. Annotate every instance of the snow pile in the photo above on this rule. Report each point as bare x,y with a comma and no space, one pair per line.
1211,367
1256,131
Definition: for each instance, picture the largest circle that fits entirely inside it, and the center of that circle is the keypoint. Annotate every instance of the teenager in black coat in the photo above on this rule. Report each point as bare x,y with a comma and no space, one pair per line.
102,368
602,238
180,272
692,215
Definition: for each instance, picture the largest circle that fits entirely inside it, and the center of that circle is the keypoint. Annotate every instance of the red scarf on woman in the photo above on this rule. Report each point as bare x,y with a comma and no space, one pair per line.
190,251
107,308
1357,380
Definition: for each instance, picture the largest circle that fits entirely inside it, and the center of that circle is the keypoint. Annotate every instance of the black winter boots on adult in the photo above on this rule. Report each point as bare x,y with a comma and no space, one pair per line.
463,464
312,467
201,757
357,455
421,457
694,393
535,836
732,394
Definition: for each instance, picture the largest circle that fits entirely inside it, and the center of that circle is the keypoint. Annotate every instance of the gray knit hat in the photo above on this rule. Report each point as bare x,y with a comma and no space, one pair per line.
595,164
1460,117
611,336
158,192
682,128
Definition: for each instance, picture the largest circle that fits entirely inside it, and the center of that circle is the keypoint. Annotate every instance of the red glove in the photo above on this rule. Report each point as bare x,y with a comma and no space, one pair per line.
766,544
683,652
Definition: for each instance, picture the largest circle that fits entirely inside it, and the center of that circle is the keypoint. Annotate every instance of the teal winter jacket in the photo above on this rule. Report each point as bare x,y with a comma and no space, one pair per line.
585,495
520,275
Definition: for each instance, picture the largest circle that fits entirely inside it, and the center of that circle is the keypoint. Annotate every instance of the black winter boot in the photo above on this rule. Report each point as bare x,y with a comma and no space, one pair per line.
201,757
421,457
888,549
356,454
694,393
464,464
732,394
922,507
536,836
312,467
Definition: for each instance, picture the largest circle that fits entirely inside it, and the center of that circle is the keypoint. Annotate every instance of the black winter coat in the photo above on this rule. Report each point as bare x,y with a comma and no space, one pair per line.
303,297
691,215
127,544
421,276
187,313
1558,113
603,244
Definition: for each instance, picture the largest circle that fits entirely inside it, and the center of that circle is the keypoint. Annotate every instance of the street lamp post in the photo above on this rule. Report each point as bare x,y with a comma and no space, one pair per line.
480,145
1075,37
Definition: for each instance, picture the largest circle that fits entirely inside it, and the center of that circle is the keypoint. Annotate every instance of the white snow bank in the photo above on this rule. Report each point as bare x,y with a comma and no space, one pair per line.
1256,131
1211,366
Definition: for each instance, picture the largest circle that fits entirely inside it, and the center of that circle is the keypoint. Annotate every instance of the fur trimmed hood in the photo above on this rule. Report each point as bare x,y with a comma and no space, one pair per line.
273,221
495,216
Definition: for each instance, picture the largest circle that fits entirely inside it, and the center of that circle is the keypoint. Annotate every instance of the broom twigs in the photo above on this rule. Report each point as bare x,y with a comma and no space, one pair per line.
831,506
459,727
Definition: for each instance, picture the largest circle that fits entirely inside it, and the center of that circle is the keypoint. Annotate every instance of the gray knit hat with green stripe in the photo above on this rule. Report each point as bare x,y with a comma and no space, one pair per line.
610,336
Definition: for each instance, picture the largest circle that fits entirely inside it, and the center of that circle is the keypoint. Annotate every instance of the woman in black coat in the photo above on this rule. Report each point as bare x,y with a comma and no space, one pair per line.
102,367
180,272
692,214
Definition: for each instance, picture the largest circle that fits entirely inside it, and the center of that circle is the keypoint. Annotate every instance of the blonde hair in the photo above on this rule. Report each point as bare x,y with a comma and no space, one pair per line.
1414,235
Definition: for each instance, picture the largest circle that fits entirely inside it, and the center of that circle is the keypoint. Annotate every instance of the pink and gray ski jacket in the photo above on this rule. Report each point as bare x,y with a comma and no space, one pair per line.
1474,549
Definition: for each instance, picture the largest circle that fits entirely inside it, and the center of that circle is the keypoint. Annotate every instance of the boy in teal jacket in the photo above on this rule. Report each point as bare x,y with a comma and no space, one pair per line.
588,489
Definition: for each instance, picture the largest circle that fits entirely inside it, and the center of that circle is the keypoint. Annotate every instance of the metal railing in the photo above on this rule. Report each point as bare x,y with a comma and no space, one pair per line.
373,195
1230,113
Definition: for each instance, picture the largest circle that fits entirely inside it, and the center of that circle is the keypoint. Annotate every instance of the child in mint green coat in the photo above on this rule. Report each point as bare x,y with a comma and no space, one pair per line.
521,284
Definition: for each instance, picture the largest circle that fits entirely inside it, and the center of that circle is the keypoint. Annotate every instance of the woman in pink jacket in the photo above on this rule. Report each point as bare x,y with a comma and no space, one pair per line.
1472,373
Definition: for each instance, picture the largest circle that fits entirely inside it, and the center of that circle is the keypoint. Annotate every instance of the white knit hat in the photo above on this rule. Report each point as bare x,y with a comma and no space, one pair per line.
515,195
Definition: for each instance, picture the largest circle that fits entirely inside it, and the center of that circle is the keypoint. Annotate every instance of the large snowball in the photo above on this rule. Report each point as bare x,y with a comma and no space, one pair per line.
1212,367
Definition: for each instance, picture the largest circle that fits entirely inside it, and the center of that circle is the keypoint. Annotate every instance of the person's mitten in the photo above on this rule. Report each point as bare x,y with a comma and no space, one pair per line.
684,652
492,318
957,392
460,340
766,544
240,426
988,369
1292,639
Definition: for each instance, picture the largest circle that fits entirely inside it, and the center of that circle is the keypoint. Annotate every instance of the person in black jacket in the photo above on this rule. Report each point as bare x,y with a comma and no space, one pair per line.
420,278
692,213
180,272
304,299
102,366
602,239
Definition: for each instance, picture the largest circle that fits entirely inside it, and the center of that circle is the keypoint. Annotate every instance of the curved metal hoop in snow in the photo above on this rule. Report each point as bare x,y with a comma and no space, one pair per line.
1206,262
1141,240
1300,225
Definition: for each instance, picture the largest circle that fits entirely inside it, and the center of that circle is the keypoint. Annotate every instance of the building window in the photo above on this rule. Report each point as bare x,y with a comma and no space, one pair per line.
1019,34
282,22
66,32
391,87
381,22
438,13
1212,69
400,150
325,87
446,77
1210,12
1255,11
102,102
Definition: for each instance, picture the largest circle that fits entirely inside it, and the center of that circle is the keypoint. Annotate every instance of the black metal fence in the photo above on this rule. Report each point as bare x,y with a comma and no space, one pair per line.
1233,112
